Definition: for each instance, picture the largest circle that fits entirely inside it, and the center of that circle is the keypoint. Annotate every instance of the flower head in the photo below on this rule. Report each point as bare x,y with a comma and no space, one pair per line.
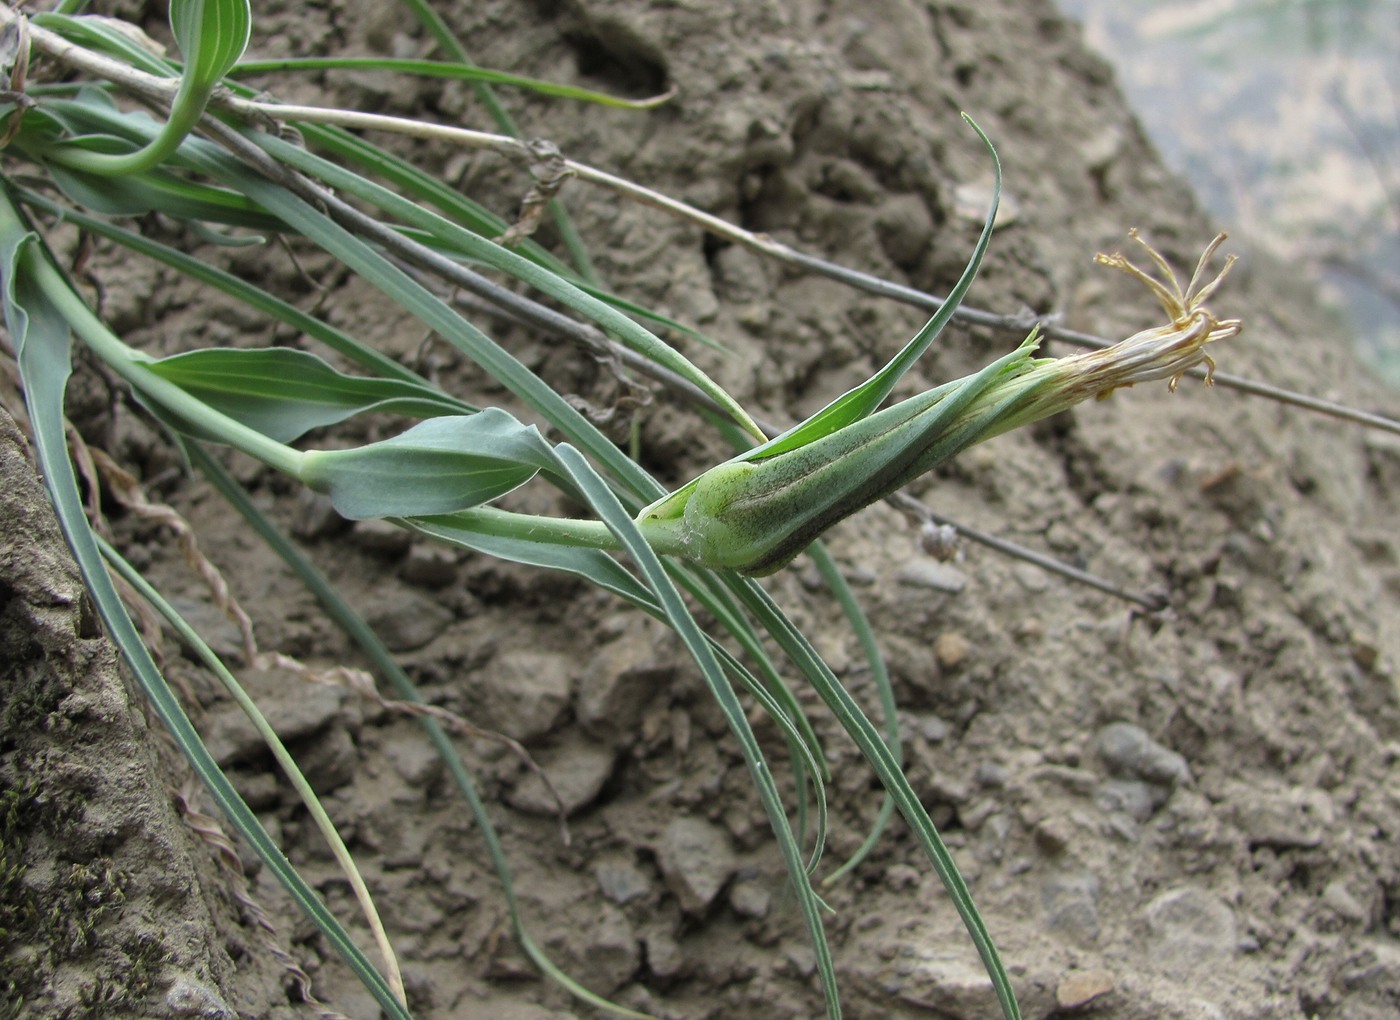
1172,350
1162,352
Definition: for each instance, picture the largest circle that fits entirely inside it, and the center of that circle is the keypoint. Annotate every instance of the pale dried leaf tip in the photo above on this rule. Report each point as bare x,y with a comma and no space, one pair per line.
1175,349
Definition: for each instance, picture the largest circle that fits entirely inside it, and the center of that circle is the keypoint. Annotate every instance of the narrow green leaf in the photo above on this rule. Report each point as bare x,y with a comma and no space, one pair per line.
605,504
40,333
99,34
375,269
860,625
284,393
433,24
160,191
861,401
443,69
382,660
192,639
255,297
887,769
475,530
425,188
473,246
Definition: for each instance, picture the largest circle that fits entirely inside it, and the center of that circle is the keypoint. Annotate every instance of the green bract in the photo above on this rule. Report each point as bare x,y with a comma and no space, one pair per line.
756,512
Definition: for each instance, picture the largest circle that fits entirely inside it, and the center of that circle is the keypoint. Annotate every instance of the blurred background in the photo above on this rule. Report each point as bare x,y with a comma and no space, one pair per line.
1285,117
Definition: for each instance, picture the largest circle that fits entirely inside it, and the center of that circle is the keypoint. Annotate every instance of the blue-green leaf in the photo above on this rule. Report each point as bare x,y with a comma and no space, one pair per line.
159,191
104,35
40,332
437,467
284,393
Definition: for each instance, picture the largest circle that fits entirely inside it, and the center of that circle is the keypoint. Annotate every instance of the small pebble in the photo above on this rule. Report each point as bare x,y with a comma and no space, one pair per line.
1340,899
1135,799
315,517
992,775
697,859
899,877
1030,629
1191,928
1129,752
931,728
934,575
409,621
950,650
1052,836
1071,906
621,880
380,537
577,769
750,899
664,956
1081,987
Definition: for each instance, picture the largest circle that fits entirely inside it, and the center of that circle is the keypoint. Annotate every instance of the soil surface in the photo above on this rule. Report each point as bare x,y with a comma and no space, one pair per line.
1193,815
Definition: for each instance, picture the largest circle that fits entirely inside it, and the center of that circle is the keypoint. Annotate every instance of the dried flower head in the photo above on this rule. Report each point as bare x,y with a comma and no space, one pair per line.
1162,352
1178,347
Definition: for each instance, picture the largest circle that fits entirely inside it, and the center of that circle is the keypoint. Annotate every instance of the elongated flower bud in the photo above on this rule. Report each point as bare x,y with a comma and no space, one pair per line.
755,513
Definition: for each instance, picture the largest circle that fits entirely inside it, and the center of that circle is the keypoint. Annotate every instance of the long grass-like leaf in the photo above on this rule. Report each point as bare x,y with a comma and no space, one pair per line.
158,191
506,537
607,507
243,291
435,26
853,720
40,332
385,666
283,757
425,188
477,247
444,69
99,34
860,626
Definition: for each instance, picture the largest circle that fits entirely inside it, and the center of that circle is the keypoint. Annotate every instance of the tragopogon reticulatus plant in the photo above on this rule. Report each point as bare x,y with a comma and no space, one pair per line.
63,141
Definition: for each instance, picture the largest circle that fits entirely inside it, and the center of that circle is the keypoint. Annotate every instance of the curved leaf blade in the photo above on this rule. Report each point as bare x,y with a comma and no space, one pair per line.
285,393
862,401
156,191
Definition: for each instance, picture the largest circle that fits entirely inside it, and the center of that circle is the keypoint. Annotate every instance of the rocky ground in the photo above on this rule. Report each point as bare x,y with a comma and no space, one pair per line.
1192,815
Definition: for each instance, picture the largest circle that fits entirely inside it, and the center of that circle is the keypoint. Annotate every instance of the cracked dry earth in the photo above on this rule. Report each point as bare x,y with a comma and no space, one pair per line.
1192,816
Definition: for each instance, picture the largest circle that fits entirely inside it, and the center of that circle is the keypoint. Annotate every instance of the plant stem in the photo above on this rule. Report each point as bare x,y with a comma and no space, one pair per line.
489,520
185,110
129,364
